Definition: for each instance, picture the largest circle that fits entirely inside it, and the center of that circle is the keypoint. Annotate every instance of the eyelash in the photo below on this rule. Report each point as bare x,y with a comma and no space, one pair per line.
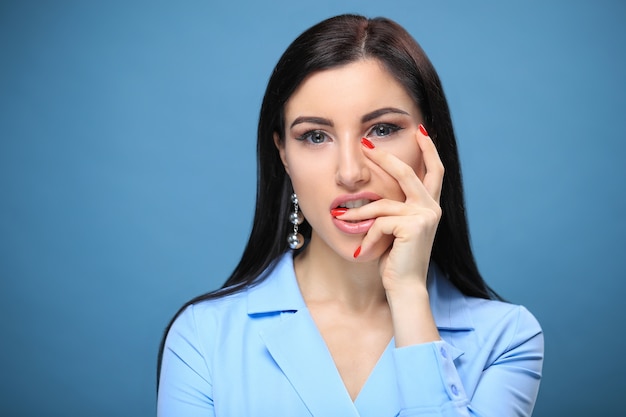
390,127
307,136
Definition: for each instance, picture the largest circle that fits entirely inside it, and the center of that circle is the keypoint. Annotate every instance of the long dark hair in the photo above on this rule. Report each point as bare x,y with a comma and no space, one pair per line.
334,42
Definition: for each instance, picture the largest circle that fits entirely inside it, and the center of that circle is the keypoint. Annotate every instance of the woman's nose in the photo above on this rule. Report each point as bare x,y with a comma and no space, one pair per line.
352,169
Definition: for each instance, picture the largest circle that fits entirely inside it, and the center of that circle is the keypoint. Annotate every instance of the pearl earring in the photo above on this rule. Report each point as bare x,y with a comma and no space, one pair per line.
295,239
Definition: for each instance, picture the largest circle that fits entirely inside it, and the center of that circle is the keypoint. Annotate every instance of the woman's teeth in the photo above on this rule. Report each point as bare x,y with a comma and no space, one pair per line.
355,203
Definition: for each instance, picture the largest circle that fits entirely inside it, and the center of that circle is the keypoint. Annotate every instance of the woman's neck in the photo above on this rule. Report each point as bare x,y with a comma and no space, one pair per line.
326,277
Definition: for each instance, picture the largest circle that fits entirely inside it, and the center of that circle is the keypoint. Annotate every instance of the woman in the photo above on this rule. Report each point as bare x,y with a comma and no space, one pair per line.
357,294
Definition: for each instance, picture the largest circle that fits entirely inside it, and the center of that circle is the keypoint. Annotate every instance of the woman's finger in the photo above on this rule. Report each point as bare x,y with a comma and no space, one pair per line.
375,209
418,229
411,185
404,175
433,180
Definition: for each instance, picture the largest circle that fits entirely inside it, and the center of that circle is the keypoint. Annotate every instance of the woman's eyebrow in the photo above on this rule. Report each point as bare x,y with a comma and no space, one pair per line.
366,118
377,113
314,120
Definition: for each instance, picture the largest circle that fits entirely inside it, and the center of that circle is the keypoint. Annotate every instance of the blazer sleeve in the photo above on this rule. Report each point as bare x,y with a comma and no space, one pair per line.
430,385
185,384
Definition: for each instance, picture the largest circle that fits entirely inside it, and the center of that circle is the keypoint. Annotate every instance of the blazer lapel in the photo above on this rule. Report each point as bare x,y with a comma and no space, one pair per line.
379,396
295,344
300,352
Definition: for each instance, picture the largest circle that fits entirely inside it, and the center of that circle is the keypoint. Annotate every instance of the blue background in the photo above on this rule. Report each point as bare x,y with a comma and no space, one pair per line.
127,178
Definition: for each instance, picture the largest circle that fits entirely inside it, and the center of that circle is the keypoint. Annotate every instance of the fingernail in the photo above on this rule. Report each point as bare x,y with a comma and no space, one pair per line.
423,130
357,252
367,143
338,211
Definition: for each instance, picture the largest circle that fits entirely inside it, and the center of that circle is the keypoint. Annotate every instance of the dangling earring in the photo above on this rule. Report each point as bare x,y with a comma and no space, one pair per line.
295,239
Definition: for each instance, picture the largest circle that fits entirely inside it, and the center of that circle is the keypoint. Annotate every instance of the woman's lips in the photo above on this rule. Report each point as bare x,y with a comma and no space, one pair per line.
353,227
344,203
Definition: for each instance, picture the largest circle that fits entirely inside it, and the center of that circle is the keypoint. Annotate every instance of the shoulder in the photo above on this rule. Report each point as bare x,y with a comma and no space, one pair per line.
482,324
221,315
455,310
503,331
196,331
512,320
206,315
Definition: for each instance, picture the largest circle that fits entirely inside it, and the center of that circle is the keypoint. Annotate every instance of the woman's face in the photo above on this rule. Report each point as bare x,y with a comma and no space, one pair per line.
325,119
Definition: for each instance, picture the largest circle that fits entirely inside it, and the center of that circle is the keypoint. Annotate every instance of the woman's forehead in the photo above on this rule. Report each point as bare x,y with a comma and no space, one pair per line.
355,87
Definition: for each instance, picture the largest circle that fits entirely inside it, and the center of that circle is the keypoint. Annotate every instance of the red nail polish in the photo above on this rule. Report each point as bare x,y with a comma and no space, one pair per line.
338,211
357,252
367,143
423,130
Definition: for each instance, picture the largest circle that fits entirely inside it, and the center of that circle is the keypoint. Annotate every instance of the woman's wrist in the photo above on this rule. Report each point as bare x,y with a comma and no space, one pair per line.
412,317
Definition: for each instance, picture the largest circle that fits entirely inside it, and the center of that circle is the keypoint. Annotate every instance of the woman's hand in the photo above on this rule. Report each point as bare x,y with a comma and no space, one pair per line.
413,224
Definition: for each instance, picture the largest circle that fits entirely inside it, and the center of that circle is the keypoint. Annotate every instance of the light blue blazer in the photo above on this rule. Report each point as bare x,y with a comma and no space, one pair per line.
259,353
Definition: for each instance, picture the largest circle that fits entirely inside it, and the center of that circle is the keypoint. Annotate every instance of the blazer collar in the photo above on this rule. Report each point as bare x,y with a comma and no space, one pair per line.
449,305
280,292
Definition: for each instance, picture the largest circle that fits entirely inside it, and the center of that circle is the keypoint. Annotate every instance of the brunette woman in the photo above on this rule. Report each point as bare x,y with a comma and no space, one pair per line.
358,293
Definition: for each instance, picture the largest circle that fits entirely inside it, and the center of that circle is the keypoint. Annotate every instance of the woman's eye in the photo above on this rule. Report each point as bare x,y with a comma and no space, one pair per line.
314,136
384,129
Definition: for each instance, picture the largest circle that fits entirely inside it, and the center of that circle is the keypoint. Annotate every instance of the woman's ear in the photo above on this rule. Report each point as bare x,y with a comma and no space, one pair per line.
280,145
